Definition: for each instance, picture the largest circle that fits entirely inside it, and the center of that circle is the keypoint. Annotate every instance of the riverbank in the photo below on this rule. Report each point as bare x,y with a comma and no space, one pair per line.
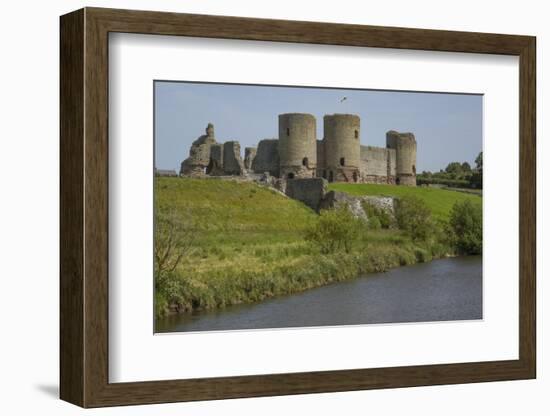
296,269
441,290
248,245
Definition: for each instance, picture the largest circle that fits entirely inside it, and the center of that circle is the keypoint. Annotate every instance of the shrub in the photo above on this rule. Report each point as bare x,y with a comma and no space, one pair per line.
422,255
335,230
414,217
466,223
383,217
170,289
374,223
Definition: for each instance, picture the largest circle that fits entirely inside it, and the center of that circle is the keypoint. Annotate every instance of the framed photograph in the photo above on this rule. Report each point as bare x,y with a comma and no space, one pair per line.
255,207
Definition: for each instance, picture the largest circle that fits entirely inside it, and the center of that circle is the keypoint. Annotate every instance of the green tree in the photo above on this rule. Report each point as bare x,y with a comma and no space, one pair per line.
454,167
414,217
466,168
479,161
466,222
335,230
476,180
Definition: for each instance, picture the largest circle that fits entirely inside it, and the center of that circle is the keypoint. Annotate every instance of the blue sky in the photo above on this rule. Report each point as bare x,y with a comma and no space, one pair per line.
447,127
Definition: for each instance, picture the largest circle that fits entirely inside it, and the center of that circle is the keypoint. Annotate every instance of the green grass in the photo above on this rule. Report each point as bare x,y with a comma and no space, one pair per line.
250,245
234,213
440,201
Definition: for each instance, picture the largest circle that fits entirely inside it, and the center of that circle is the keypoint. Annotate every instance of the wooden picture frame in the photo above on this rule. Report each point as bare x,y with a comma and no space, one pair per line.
84,207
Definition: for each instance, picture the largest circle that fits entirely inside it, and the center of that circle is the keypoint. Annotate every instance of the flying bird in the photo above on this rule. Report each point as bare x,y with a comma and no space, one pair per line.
343,99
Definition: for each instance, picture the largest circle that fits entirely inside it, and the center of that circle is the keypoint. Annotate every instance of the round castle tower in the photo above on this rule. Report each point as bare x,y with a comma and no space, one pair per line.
342,147
405,156
297,145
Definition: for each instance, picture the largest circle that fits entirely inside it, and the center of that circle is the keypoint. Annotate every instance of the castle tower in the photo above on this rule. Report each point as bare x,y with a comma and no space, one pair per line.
297,145
342,147
405,156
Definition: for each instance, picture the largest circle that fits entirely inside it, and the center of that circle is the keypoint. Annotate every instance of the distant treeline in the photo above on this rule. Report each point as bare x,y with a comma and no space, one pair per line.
455,175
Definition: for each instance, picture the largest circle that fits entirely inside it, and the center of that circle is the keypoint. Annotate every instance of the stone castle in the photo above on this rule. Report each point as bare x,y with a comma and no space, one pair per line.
296,153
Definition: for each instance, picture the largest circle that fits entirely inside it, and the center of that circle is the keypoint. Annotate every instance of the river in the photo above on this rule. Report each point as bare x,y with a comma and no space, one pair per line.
441,290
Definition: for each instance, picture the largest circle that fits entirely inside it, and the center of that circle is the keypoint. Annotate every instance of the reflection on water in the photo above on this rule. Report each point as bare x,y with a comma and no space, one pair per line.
442,290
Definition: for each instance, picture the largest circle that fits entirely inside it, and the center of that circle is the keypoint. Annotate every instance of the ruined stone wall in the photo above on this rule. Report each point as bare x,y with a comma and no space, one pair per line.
355,204
377,165
308,191
232,161
321,164
199,154
249,155
405,149
267,157
375,160
297,145
392,163
342,147
215,166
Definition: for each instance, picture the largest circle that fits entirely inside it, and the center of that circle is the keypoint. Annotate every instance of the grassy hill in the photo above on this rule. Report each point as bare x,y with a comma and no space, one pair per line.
440,201
231,213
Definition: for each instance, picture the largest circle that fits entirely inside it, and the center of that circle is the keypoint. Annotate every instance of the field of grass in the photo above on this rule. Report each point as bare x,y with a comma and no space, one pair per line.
440,201
248,244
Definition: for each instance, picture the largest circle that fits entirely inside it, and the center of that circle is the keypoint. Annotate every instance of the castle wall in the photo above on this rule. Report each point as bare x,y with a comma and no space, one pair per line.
342,147
321,164
232,161
309,191
297,145
215,166
376,160
377,165
267,157
249,155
